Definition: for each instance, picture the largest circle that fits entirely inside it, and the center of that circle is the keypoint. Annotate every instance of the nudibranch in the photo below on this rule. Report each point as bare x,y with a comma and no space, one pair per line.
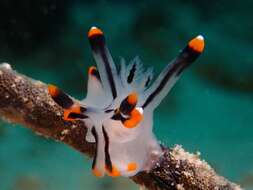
118,109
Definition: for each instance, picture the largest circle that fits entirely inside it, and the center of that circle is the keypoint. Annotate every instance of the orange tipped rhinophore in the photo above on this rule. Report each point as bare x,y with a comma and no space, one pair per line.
91,70
131,166
197,43
114,173
135,118
76,109
94,31
132,98
53,90
97,173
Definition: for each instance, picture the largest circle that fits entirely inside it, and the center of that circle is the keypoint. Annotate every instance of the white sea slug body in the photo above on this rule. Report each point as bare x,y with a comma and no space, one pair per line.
118,108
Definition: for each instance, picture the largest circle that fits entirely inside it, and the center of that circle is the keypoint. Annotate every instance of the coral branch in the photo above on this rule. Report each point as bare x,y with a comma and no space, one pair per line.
26,101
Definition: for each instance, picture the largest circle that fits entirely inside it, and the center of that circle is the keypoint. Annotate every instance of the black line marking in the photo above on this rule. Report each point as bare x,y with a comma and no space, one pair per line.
109,74
108,161
108,111
63,100
190,55
147,81
82,109
97,43
131,74
119,117
94,133
183,60
74,115
125,107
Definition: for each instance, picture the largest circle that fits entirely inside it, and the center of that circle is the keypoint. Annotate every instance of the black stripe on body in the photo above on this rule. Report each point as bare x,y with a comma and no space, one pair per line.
97,43
119,117
109,110
74,115
94,133
63,100
183,60
125,107
131,74
108,162
147,81
82,109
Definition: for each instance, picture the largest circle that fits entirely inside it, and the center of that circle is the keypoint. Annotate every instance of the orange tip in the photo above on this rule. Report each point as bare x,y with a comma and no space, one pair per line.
132,98
131,166
97,173
91,70
114,173
94,31
197,44
135,118
53,90
74,109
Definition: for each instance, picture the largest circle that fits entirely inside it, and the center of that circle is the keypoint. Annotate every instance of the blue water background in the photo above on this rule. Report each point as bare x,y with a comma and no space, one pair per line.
209,110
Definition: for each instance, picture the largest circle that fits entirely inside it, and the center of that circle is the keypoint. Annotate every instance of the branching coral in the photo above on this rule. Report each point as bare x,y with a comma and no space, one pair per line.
27,102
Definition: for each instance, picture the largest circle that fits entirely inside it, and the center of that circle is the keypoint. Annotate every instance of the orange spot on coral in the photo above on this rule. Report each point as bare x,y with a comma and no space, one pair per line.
132,98
131,166
135,118
73,109
53,90
94,31
197,44
114,173
97,173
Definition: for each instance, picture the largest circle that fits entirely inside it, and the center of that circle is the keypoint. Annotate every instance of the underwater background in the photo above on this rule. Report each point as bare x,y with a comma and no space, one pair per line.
209,110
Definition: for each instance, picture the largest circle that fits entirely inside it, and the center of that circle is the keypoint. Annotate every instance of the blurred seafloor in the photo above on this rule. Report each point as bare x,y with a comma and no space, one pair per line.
210,109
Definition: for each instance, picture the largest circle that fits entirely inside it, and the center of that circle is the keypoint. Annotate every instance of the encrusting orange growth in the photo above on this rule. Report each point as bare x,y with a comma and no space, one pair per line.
132,98
73,109
135,118
131,166
53,90
97,173
94,31
114,173
197,44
